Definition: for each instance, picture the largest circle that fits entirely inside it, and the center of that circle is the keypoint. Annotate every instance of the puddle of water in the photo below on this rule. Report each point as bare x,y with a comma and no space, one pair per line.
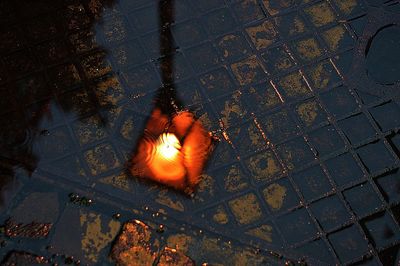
383,55
94,94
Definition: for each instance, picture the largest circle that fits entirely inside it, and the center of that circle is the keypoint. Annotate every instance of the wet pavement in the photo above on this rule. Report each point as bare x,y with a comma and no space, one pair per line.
303,95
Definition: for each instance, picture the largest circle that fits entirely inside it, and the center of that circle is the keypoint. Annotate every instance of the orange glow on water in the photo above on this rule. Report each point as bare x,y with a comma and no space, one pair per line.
168,146
172,151
166,161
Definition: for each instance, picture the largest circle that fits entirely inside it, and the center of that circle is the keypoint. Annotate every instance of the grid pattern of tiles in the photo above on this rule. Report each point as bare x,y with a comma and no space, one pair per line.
310,162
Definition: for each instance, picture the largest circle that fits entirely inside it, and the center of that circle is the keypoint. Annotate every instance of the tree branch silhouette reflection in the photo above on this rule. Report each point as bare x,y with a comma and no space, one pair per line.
40,64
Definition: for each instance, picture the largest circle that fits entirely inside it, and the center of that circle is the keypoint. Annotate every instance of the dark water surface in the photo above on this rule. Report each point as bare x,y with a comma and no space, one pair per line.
303,96
385,47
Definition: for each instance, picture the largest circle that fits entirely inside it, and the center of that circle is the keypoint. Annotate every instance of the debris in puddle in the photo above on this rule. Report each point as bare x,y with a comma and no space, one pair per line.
134,244
136,96
76,199
62,259
160,228
69,260
170,256
44,132
116,216
23,258
31,230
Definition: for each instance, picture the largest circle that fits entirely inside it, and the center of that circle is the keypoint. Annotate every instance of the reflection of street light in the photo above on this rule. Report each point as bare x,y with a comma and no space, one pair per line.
166,161
168,146
162,157
175,147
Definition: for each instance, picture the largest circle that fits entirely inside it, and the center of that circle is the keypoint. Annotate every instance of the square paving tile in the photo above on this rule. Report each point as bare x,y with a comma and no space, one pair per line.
278,60
294,86
217,83
246,209
291,24
247,138
317,249
264,94
362,199
307,49
262,35
349,244
219,21
313,183
320,14
310,113
248,11
344,169
339,101
322,75
234,46
264,166
375,156
330,213
249,70
188,33
235,179
297,226
326,140
280,195
279,126
389,185
203,57
387,115
338,38
381,230
295,153
357,128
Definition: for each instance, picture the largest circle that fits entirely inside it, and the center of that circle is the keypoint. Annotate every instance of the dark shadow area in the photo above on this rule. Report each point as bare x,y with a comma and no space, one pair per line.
383,55
41,71
167,99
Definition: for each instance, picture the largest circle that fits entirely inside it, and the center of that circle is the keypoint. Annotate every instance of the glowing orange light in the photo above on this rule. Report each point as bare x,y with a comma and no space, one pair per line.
177,157
165,160
168,146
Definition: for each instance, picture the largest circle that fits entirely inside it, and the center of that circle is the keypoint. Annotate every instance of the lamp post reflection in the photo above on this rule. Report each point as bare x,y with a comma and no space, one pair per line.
175,146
